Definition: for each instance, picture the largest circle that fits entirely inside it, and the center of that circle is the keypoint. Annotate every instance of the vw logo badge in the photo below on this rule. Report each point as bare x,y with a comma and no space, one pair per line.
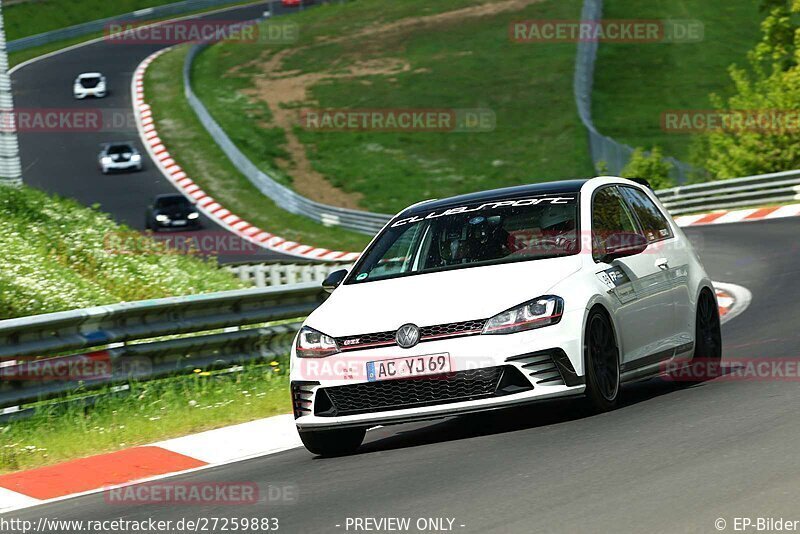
407,336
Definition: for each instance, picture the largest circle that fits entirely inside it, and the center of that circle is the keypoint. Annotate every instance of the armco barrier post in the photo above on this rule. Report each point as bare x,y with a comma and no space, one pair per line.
10,166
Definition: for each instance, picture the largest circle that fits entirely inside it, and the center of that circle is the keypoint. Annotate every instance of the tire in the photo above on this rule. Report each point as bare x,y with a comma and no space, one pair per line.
601,357
707,338
333,442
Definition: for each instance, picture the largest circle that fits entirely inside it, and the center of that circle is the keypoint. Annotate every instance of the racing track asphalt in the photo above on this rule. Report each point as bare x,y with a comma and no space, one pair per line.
670,459
65,162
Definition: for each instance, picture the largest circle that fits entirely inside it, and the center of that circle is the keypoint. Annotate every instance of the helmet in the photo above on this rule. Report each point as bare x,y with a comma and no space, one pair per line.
482,228
487,238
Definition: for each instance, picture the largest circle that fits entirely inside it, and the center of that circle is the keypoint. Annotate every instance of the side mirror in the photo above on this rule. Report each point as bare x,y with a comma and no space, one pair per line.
623,244
334,280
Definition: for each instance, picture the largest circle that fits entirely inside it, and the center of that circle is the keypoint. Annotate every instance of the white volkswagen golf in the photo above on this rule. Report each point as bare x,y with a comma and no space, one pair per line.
494,299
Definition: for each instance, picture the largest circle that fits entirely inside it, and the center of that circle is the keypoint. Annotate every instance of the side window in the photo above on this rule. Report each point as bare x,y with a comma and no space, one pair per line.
654,224
610,215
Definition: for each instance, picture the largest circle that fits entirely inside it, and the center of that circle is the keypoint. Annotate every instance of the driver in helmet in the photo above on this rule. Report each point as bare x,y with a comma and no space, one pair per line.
558,227
451,244
487,239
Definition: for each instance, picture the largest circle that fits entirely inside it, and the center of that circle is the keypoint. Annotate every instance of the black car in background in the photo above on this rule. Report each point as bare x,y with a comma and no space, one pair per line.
172,211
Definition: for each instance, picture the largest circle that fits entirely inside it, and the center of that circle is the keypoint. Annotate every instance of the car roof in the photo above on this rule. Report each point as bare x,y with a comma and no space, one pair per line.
89,75
170,196
546,188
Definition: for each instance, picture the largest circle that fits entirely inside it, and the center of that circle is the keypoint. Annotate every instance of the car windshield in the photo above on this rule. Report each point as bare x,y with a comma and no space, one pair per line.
497,231
90,82
120,149
172,202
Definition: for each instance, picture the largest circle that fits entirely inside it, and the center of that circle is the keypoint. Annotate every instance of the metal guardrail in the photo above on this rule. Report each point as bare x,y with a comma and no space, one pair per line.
123,344
733,193
605,151
94,26
360,221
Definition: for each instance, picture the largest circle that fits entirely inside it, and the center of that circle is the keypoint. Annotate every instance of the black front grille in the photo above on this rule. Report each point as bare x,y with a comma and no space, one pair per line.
461,328
354,342
412,392
427,333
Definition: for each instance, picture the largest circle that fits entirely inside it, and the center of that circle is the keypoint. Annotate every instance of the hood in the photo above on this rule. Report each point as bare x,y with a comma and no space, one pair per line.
437,298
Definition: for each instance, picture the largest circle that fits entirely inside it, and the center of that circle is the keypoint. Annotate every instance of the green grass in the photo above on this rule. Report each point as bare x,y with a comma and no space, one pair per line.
152,411
59,255
635,83
56,256
201,158
27,26
466,62
39,16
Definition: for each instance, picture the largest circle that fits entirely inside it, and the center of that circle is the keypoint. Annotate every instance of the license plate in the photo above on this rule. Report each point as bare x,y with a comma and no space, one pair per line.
408,367
178,223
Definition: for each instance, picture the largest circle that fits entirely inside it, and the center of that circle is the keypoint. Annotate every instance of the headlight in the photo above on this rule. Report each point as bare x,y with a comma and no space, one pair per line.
136,157
105,160
313,344
193,216
536,313
162,218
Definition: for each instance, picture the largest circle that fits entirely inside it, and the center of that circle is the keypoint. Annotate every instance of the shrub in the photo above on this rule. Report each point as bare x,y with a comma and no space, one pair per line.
652,167
772,83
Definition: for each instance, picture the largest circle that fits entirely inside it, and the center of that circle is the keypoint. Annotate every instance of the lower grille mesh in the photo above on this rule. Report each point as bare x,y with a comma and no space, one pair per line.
413,392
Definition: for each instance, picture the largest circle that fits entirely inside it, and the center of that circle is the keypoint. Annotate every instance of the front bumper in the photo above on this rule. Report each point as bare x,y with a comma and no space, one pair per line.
542,364
177,224
122,166
81,94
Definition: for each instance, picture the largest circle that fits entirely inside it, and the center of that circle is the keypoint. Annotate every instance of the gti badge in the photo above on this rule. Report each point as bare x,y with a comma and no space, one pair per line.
407,336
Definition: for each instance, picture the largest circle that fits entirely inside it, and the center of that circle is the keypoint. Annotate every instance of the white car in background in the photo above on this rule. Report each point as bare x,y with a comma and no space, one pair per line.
500,298
90,84
120,156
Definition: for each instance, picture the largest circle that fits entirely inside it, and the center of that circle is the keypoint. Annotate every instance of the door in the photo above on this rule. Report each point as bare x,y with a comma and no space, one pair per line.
673,257
645,319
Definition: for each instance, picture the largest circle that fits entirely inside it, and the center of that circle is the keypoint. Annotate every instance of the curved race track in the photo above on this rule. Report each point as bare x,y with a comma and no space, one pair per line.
671,459
65,162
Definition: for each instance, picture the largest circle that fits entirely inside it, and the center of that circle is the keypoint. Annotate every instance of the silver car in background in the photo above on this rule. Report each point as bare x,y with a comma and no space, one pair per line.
120,156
